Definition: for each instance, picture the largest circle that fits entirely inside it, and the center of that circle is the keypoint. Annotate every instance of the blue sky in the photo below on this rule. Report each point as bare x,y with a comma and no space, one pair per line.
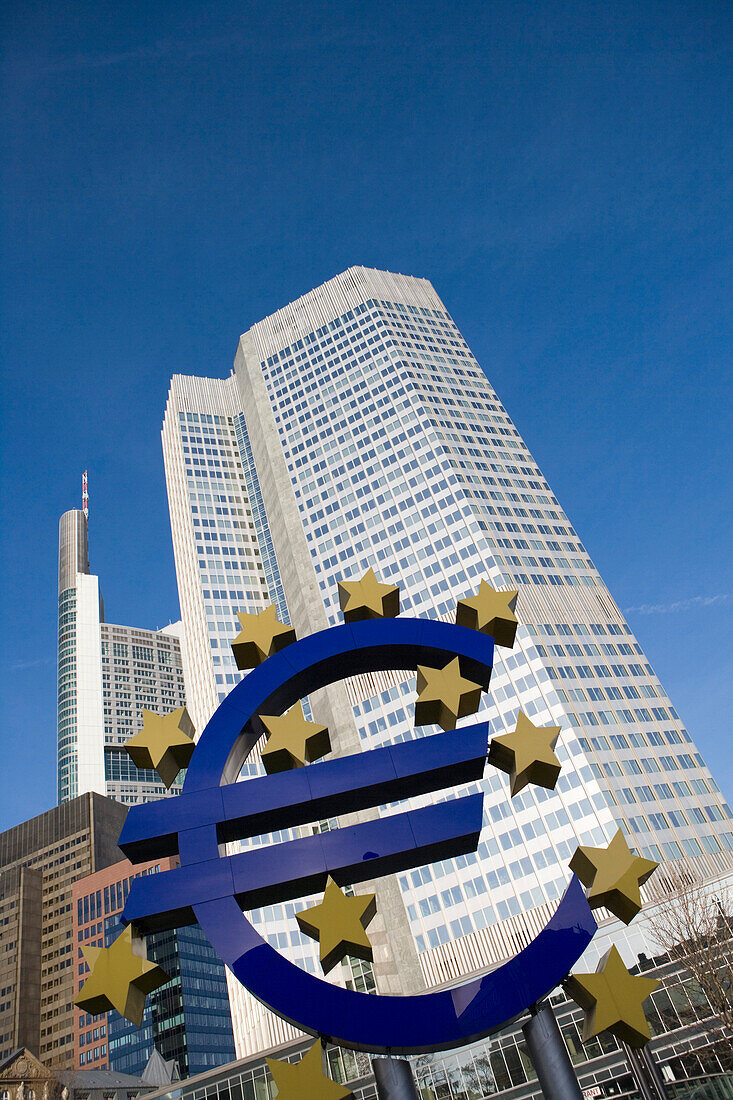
561,171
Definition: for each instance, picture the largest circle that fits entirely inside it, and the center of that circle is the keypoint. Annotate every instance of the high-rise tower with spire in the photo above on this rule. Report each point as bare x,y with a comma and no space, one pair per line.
107,674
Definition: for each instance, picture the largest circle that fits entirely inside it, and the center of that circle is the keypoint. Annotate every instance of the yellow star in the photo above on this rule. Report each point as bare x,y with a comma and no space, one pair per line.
444,695
612,1000
338,924
293,741
121,978
305,1080
165,743
368,599
261,636
526,755
614,875
491,612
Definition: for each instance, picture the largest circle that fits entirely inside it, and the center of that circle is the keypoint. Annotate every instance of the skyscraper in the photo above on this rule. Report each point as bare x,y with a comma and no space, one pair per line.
369,436
107,674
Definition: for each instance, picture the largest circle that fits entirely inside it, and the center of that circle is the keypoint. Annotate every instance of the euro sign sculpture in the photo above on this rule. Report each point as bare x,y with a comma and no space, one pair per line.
213,888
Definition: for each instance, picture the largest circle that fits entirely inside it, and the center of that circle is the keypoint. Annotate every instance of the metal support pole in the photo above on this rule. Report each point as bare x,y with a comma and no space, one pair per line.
655,1074
637,1072
394,1079
645,1073
549,1055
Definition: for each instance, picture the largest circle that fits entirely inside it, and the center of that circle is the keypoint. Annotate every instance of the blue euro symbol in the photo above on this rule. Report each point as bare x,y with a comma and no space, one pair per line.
213,888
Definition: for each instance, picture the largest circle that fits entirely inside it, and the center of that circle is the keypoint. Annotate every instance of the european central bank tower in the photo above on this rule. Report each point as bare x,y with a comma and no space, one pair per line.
357,430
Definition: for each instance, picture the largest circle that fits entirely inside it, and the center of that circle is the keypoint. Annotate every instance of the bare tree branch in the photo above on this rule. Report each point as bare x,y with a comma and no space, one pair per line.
694,927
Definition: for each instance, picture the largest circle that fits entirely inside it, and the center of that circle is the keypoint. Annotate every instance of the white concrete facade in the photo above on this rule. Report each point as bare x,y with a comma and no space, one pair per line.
90,710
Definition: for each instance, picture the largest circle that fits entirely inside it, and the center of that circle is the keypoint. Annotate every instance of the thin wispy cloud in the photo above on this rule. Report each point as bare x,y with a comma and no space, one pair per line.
20,666
156,51
179,49
680,605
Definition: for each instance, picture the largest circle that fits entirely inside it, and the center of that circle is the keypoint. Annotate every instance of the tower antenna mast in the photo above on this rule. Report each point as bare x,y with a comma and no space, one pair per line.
84,495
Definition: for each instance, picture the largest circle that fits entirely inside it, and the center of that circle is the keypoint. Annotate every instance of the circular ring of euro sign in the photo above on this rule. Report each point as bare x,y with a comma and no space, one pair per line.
455,662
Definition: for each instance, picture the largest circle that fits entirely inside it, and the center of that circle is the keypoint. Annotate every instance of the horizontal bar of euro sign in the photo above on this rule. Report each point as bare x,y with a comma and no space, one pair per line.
326,789
281,872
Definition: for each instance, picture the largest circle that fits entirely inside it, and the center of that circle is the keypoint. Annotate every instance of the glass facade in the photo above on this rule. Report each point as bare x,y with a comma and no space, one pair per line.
66,743
262,527
187,1019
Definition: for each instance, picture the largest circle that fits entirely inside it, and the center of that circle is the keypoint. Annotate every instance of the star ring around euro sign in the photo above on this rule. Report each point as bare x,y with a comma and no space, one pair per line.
213,809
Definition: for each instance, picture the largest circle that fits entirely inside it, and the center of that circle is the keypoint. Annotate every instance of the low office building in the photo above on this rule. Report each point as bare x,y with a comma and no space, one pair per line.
40,861
686,1045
